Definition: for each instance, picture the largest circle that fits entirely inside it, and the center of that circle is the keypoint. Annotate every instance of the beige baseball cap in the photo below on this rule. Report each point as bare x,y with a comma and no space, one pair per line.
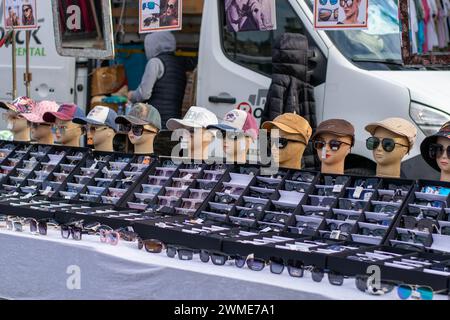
399,126
291,123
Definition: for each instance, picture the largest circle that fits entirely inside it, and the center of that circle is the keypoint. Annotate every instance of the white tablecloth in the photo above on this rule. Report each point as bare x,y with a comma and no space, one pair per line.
35,267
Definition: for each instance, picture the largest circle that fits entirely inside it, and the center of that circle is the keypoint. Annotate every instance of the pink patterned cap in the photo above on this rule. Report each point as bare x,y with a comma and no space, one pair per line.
239,121
42,107
20,105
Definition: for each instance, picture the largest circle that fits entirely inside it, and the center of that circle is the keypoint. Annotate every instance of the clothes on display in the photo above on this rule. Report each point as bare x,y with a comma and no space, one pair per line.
429,25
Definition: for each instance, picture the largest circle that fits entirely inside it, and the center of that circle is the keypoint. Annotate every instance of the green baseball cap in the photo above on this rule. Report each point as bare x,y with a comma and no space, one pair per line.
141,114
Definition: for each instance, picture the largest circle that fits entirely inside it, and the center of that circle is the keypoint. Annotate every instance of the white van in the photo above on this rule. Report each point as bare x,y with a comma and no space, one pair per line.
359,76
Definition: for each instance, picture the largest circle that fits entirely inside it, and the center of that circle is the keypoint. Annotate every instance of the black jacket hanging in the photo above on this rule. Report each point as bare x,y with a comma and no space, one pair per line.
290,90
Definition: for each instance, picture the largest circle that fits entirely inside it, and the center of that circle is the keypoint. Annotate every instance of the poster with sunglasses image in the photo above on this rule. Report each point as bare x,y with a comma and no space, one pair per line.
341,14
160,15
250,15
20,14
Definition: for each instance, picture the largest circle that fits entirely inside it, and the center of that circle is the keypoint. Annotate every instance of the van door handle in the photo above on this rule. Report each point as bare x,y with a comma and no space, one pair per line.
222,99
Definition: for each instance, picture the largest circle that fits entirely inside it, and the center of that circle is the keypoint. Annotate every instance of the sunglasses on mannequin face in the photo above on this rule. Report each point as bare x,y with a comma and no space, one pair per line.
284,142
388,144
437,150
335,145
137,130
61,129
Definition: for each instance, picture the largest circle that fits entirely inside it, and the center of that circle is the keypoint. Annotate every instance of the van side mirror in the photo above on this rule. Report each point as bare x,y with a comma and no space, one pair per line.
83,28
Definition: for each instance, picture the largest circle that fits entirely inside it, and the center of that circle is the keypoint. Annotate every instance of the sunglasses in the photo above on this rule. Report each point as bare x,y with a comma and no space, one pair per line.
277,267
303,177
334,145
322,202
284,142
436,151
183,183
433,204
296,186
367,183
61,129
318,213
275,218
109,236
405,291
345,217
248,213
267,185
253,264
346,3
75,232
158,181
348,204
373,232
151,245
414,238
334,278
332,2
388,144
192,204
198,194
421,225
137,130
212,175
344,227
164,172
307,225
363,284
385,208
339,181
284,209
224,198
325,14
174,192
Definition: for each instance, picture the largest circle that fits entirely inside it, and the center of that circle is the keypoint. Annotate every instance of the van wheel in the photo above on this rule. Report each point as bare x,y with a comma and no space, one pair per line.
361,172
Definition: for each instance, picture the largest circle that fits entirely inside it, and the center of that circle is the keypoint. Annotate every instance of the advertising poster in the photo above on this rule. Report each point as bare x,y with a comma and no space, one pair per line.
160,15
250,15
20,14
341,14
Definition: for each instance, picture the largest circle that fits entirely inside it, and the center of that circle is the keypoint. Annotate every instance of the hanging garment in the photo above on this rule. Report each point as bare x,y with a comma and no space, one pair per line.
413,27
441,24
446,10
420,25
432,38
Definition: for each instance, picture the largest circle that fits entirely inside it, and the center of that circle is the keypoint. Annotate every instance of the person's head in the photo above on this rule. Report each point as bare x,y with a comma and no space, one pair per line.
292,133
157,43
238,130
171,8
391,140
142,123
16,123
333,141
27,10
435,150
351,7
16,111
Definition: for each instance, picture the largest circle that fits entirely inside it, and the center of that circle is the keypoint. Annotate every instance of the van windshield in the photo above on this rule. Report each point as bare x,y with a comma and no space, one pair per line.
379,44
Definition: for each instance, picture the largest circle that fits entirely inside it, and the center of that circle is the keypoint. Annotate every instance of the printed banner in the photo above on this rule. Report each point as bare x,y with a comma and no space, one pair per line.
251,15
20,14
341,14
160,15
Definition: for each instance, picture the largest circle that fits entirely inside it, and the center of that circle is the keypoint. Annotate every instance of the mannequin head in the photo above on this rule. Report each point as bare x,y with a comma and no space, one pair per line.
142,137
192,129
17,124
100,127
391,141
292,133
333,142
41,132
67,133
435,151
237,131
142,123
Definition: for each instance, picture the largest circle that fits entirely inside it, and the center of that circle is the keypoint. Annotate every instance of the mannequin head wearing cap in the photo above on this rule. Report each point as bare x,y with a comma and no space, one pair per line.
17,124
292,133
142,123
435,151
238,130
65,131
333,142
41,132
100,127
391,141
192,132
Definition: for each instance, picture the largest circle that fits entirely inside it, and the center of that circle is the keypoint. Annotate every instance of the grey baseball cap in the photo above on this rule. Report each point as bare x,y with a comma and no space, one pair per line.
99,116
142,114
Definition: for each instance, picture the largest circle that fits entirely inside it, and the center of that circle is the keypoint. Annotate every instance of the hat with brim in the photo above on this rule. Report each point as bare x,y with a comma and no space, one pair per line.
444,132
6,106
132,120
398,126
51,117
337,127
174,124
269,125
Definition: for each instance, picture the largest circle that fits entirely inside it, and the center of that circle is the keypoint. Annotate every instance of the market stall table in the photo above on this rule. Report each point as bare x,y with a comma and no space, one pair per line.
35,267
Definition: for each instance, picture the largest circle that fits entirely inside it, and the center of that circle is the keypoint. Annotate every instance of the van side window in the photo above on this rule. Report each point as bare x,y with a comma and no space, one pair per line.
253,49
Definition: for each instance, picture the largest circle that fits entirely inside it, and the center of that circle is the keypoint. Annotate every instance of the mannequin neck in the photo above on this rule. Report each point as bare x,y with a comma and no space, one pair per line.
48,139
389,171
445,176
146,147
106,146
337,168
75,142
22,135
